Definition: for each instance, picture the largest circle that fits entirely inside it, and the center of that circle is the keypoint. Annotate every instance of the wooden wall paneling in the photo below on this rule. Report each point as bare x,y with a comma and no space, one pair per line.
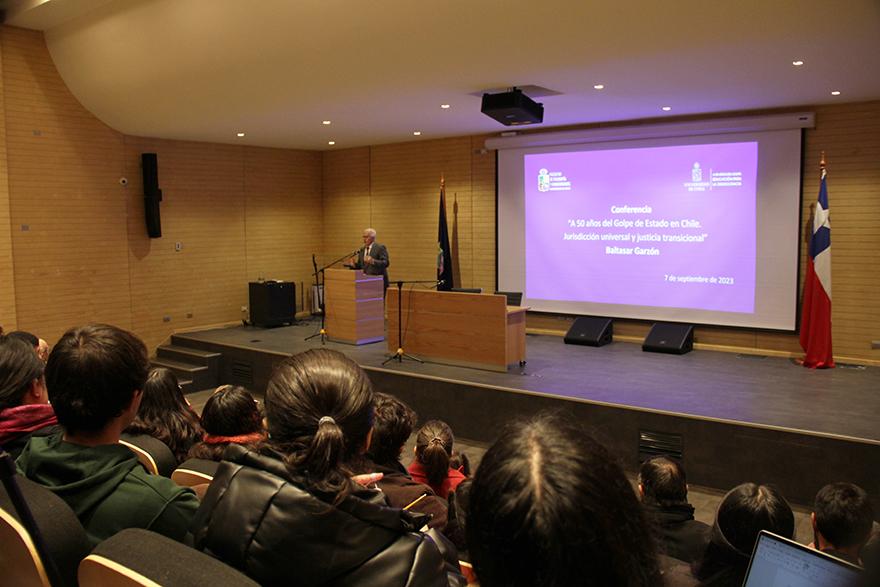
405,180
202,209
483,222
850,136
284,216
346,202
63,164
7,273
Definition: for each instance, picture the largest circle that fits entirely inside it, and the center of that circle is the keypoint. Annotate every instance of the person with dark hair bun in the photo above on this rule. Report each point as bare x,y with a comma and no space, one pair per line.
165,414
433,451
230,416
393,423
24,401
292,513
742,514
550,507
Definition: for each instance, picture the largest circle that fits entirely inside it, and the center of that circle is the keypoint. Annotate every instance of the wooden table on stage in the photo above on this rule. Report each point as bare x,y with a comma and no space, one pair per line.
472,330
355,306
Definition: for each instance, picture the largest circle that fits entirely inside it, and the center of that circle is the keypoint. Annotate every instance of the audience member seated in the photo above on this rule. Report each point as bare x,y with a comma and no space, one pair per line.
742,514
291,513
549,506
95,377
24,402
165,414
27,337
393,422
231,415
456,527
41,347
842,519
433,451
663,490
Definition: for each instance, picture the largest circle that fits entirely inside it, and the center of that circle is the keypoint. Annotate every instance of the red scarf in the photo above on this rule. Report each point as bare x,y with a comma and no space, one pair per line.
19,420
240,439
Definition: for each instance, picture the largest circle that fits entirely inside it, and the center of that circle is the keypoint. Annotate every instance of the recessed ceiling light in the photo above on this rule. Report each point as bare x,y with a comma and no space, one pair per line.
666,108
835,93
599,87
239,134
325,122
444,106
331,142
797,63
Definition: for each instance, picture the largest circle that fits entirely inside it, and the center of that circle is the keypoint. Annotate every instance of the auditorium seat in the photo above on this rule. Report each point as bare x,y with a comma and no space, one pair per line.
514,298
192,472
152,453
137,557
63,535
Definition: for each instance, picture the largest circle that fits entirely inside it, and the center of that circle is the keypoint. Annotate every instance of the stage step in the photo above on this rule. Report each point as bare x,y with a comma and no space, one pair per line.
198,376
188,355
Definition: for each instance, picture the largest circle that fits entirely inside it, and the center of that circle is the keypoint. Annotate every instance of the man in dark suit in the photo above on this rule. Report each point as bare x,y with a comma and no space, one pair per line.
373,257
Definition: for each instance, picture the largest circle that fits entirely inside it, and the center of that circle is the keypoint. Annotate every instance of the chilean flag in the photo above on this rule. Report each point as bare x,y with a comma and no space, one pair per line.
816,310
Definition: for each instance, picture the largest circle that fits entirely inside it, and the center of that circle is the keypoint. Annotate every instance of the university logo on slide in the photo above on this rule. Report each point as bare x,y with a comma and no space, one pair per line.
543,180
552,181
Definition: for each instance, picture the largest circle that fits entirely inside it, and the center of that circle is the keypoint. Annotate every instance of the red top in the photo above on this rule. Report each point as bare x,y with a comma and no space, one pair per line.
453,478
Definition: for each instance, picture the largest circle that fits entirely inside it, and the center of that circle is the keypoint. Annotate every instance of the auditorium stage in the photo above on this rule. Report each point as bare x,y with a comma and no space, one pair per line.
733,417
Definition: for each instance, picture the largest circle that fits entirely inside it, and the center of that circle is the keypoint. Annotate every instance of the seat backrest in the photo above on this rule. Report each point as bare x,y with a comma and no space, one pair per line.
194,472
62,533
19,561
137,557
152,453
514,298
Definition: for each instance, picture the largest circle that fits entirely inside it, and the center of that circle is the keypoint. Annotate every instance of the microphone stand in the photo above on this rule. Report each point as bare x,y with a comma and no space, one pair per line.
320,283
400,354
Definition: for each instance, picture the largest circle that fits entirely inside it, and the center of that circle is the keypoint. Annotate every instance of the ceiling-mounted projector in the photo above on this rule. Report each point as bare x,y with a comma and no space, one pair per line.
512,108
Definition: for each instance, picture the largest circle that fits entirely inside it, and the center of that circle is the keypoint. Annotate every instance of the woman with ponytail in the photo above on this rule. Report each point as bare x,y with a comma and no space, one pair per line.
291,513
433,458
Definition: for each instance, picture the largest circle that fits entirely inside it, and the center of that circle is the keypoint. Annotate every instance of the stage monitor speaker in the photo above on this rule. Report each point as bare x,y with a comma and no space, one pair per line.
590,331
152,194
273,303
665,337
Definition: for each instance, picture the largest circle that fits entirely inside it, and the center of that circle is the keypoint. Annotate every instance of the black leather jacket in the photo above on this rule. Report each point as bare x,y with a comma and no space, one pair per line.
256,518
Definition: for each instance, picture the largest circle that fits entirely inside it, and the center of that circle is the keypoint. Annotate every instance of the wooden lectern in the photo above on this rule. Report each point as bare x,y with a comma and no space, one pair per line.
355,306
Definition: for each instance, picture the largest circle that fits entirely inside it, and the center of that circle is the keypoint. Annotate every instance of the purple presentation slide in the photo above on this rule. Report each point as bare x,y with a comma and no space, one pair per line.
660,226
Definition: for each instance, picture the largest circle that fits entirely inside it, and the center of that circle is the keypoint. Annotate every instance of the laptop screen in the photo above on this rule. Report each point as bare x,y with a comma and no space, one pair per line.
779,562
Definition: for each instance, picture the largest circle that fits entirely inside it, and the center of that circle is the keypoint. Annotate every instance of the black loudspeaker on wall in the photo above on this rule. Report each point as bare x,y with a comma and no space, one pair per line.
664,337
590,331
152,194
